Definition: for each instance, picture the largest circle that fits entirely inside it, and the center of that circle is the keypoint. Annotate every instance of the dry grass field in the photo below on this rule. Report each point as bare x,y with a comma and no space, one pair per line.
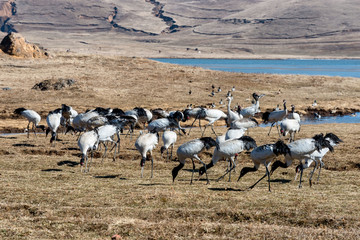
44,195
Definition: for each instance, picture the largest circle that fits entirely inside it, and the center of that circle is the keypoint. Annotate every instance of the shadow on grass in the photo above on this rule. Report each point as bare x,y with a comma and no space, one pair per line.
190,170
110,176
51,170
68,163
280,180
23,145
71,149
152,184
8,137
226,189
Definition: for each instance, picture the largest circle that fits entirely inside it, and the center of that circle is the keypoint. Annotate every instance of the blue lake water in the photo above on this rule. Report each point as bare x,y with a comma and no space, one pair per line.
324,67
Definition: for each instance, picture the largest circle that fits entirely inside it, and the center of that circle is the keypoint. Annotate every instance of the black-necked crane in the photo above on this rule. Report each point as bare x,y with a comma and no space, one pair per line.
231,134
289,126
53,121
191,149
244,123
317,156
301,149
145,143
231,115
143,115
68,113
264,155
169,139
106,134
33,117
254,108
210,115
293,114
229,149
275,116
172,121
88,141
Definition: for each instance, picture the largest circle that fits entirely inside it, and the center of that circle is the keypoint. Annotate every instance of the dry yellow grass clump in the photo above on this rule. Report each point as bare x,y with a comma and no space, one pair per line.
44,195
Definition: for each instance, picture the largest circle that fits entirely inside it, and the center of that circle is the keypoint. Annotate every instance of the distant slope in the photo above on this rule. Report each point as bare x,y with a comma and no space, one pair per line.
204,28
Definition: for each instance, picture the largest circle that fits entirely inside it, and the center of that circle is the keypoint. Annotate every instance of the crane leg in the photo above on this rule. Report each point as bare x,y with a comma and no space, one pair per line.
152,164
227,171
321,164
104,155
301,173
192,175
28,130
193,125
270,128
277,127
312,173
207,178
212,128
252,186
34,129
268,174
172,147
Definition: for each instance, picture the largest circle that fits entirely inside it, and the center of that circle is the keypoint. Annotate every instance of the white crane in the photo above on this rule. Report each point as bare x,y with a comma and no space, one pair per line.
210,115
254,108
293,114
244,123
275,116
234,133
229,149
87,141
33,117
290,126
231,134
172,121
317,156
106,133
264,155
68,113
169,139
302,149
231,115
191,149
142,115
145,143
53,120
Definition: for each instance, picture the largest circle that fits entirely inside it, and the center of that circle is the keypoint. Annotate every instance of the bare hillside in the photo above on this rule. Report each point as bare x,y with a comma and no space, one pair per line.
204,28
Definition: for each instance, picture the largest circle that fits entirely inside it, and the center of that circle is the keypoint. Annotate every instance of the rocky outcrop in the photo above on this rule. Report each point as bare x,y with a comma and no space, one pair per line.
15,44
54,84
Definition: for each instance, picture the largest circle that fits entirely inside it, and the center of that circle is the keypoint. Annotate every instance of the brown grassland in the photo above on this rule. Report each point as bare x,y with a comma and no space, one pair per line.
44,195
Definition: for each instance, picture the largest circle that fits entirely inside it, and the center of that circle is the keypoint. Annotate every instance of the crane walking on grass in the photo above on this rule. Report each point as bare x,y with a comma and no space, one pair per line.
264,155
275,116
106,133
88,141
145,143
302,149
53,121
33,117
229,150
317,157
169,139
191,150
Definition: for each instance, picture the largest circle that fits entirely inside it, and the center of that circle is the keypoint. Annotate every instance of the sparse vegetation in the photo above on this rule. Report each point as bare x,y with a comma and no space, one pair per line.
44,195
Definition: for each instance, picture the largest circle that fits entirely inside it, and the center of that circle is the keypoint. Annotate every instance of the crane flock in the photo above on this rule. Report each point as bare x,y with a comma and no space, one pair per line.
103,126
